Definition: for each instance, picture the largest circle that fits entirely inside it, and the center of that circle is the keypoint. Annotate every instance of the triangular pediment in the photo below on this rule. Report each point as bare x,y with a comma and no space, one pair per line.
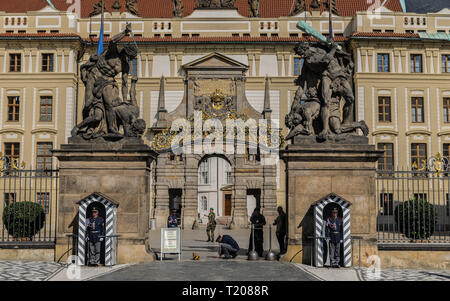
98,197
332,197
215,60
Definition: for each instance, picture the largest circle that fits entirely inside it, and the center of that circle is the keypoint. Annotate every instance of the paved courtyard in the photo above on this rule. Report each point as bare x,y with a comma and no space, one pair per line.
209,268
219,270
27,270
210,271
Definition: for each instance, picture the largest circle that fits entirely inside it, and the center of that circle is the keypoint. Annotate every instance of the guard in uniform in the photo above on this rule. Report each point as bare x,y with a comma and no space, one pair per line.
211,226
258,221
172,220
95,231
334,234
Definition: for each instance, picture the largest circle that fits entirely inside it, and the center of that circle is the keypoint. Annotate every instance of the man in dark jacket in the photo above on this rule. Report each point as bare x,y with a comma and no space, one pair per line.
228,246
334,233
96,233
281,224
258,221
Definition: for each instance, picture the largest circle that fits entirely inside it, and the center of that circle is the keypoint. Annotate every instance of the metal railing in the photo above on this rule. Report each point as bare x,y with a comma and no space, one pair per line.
28,207
413,206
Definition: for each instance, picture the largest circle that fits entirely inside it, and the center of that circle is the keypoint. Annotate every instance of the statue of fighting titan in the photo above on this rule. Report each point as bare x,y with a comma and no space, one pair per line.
104,111
325,80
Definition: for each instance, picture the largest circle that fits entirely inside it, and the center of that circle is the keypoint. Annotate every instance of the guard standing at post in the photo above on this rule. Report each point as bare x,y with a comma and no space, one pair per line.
281,231
172,220
211,226
334,233
95,231
259,221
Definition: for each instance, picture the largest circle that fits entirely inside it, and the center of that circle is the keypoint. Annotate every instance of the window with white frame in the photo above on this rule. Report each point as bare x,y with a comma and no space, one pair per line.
203,173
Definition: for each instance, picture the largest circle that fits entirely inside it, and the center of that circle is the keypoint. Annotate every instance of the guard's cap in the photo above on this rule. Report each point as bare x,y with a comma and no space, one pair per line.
335,210
211,208
94,209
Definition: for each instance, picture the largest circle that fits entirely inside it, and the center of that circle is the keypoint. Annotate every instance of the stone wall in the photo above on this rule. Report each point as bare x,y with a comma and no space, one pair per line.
120,172
316,170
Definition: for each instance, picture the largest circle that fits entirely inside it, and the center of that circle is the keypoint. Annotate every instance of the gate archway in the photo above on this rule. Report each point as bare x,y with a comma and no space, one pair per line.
215,182
110,206
320,216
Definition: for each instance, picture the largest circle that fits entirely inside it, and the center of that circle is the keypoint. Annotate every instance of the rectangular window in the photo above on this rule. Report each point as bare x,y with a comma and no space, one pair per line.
46,111
446,154
175,157
44,156
418,155
15,62
47,62
447,206
203,175
416,63
417,110
446,63
13,108
420,196
446,150
43,199
298,63
134,68
387,161
12,153
384,109
383,62
8,198
386,204
252,156
229,178
446,109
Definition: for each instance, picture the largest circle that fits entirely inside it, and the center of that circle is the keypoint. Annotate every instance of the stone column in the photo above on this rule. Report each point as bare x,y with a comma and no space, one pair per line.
190,192
314,170
268,197
120,170
239,211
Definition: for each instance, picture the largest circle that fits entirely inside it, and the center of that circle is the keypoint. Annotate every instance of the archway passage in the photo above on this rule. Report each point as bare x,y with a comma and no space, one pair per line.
108,208
215,181
322,210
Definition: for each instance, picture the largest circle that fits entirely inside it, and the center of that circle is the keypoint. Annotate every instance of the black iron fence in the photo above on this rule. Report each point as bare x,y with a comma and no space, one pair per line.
413,206
28,206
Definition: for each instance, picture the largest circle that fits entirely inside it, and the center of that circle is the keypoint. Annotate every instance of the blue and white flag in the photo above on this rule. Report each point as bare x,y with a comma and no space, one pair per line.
100,41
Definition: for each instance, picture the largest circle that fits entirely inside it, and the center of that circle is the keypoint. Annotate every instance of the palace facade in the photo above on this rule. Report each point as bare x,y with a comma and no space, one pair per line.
402,71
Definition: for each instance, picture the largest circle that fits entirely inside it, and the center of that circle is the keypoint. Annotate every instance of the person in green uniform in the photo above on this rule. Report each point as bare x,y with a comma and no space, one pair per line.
211,226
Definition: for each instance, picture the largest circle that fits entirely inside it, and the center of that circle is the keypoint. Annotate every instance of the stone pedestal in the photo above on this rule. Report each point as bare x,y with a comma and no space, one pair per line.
120,170
314,170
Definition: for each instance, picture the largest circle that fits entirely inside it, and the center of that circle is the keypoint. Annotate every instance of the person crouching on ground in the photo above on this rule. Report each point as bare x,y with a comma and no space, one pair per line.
228,246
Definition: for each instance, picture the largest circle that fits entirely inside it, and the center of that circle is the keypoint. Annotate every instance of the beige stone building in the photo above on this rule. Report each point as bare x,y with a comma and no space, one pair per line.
402,66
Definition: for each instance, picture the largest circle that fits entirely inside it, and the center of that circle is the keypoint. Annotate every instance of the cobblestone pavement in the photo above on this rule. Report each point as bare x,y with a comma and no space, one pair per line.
403,275
27,270
225,270
195,241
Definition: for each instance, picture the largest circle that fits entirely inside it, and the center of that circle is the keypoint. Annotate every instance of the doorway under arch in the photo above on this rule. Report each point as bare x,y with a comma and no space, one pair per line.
215,181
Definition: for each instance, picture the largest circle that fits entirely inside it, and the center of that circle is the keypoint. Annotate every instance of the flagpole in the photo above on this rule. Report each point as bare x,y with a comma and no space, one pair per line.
330,8
100,39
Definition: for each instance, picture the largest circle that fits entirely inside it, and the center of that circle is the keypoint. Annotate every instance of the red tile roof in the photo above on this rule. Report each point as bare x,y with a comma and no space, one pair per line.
39,35
165,8
384,35
219,39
